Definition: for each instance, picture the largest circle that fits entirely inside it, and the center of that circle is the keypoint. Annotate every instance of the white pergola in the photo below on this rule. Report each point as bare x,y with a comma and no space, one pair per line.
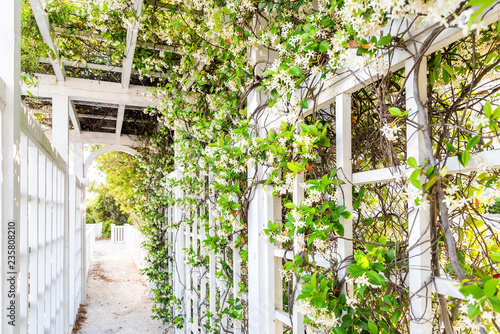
64,90
42,201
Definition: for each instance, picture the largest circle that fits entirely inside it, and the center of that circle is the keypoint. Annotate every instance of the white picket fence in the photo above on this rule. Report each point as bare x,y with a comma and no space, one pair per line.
97,229
89,247
117,233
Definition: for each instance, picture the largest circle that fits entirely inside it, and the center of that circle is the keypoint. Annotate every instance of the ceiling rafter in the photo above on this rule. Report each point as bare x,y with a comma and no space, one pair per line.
119,121
103,68
42,21
130,45
74,118
98,37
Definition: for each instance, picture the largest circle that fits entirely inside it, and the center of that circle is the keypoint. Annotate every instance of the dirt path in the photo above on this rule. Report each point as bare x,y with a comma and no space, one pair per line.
117,297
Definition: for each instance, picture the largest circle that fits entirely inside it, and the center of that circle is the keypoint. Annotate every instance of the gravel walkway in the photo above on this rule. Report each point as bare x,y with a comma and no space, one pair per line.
117,297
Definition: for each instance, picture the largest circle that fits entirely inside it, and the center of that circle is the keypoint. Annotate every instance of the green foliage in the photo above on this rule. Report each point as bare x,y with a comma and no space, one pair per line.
104,208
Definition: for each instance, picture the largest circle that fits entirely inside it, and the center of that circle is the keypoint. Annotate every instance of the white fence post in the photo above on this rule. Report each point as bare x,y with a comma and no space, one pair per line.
113,231
10,73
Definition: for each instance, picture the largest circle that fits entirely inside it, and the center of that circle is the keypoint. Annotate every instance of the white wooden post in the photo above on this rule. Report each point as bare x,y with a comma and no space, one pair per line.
33,235
188,273
72,244
271,280
203,281
344,165
196,276
42,223
78,161
50,252
298,197
211,258
418,220
236,280
60,141
10,74
24,236
179,277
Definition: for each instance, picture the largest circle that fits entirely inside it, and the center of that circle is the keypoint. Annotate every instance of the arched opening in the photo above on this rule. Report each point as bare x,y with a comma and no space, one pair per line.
106,149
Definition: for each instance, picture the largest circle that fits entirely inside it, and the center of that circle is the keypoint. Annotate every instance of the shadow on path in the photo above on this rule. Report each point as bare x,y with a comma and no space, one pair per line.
117,297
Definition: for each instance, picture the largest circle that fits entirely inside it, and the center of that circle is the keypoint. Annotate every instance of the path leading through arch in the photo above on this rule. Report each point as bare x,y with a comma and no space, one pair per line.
117,296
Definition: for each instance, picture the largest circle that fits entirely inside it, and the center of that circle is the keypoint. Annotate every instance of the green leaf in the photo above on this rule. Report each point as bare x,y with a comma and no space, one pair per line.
496,114
433,180
291,166
290,205
443,171
412,162
395,111
295,71
384,40
495,303
323,47
372,327
473,142
339,330
448,69
304,104
473,290
379,279
487,109
396,316
473,310
416,183
268,72
495,256
490,287
450,148
464,158
362,259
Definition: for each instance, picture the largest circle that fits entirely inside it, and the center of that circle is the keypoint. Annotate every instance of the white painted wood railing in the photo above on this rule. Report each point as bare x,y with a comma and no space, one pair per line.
133,241
52,206
89,248
97,229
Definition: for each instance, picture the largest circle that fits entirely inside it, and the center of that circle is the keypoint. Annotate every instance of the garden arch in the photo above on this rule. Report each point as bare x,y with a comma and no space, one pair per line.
106,149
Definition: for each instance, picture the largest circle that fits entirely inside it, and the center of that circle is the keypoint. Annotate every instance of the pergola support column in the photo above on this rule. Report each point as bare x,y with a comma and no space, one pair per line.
13,318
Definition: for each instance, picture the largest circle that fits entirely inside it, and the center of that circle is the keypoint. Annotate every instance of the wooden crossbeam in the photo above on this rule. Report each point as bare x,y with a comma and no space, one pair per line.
103,68
44,27
74,118
98,37
89,90
491,158
119,121
130,46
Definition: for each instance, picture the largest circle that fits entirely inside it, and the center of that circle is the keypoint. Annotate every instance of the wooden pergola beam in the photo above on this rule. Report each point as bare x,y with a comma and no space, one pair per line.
130,45
103,68
119,121
74,118
98,37
90,90
44,26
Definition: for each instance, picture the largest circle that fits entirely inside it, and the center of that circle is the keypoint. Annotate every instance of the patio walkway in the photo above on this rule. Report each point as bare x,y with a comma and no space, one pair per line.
117,297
